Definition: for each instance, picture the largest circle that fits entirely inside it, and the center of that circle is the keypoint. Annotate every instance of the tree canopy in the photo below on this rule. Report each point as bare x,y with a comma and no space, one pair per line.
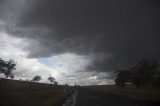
123,77
37,78
6,67
51,79
145,73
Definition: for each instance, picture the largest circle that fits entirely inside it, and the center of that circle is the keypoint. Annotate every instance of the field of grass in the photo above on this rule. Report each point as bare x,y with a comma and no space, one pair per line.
152,94
18,93
23,93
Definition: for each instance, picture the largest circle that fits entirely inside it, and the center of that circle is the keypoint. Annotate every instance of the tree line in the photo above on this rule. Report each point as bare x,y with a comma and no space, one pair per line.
145,73
37,78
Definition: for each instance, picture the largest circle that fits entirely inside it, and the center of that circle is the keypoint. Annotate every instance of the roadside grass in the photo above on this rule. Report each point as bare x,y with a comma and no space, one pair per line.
47,96
145,93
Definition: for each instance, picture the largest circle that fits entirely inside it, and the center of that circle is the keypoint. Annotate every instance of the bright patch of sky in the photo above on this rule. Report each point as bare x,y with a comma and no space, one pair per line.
48,62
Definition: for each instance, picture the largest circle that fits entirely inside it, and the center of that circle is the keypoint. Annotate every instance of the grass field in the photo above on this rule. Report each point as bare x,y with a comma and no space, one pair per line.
19,93
23,93
147,93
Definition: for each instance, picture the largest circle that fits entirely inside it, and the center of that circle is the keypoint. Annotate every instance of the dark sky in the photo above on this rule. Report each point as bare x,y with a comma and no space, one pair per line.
117,33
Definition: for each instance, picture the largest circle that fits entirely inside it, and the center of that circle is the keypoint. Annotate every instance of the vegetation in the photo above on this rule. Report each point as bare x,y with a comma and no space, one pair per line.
55,83
145,73
131,91
51,79
6,67
123,77
12,76
37,78
18,93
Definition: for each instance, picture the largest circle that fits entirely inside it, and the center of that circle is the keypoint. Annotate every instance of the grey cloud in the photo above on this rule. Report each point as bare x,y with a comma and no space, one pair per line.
128,30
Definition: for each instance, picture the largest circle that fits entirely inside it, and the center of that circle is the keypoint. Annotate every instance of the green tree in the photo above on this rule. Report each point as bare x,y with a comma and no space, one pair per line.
6,67
55,83
2,65
37,78
123,77
145,73
157,84
51,79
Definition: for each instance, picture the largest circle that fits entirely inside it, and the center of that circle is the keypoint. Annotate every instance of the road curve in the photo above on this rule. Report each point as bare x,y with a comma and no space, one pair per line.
91,98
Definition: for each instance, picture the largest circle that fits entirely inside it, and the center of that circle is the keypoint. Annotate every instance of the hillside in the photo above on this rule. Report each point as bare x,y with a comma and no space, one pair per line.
23,93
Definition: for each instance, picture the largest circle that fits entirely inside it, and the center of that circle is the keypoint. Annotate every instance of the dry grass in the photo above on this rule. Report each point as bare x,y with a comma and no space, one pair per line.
37,96
152,94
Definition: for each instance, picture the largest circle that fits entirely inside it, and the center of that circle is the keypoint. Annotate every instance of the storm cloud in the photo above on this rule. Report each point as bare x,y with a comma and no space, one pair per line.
112,33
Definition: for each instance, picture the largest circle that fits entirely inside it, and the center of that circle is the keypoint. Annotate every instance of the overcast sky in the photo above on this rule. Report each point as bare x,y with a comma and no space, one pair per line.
78,41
